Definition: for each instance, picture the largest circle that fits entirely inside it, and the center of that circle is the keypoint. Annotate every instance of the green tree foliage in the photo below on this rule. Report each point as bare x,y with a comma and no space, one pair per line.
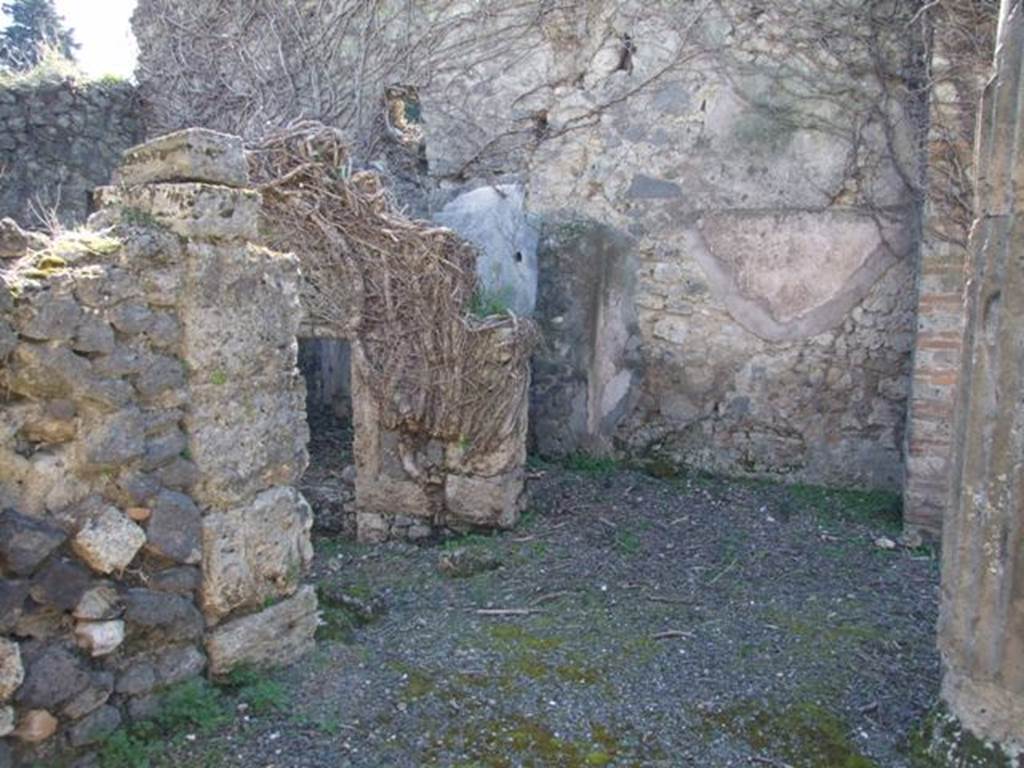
34,26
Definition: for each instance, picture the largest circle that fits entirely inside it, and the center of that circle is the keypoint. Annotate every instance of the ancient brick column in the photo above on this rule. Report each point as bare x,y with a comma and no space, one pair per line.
981,631
958,74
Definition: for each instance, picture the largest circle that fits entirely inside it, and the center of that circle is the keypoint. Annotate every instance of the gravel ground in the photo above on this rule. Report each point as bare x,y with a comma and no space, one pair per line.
656,622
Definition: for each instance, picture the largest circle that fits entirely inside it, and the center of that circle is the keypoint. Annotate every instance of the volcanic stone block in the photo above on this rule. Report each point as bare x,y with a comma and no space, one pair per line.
182,580
12,603
50,318
94,335
95,727
60,584
40,370
162,617
96,695
26,542
192,154
117,440
275,636
174,529
109,542
53,676
177,664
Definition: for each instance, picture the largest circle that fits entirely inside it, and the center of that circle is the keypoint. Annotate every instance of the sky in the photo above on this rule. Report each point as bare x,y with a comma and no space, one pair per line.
103,30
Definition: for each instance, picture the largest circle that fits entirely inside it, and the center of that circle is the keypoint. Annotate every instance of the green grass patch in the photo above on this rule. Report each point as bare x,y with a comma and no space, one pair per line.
882,509
486,303
628,543
195,706
262,693
585,462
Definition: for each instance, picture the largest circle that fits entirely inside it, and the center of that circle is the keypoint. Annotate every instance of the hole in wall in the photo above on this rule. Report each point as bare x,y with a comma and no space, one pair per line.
626,54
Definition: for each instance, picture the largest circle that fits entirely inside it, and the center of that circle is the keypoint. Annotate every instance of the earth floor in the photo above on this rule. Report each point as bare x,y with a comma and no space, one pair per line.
627,621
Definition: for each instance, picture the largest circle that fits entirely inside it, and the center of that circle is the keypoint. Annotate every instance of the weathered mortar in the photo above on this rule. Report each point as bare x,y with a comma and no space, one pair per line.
151,433
59,139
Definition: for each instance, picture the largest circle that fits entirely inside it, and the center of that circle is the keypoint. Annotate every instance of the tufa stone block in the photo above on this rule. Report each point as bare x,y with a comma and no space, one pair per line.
275,636
255,553
99,638
109,542
12,673
35,726
190,210
193,154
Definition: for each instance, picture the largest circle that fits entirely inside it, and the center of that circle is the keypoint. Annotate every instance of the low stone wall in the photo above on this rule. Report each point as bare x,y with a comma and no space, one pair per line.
59,139
408,486
151,432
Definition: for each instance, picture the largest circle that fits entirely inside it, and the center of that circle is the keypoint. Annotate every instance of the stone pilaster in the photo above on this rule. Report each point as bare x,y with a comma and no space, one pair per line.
245,424
981,632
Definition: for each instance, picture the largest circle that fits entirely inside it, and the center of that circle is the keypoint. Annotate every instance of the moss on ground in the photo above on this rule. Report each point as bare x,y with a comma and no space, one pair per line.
518,740
940,741
803,734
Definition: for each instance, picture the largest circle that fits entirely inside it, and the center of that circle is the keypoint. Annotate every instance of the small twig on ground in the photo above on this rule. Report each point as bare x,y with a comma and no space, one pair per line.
671,634
670,600
606,521
550,596
507,611
523,539
724,571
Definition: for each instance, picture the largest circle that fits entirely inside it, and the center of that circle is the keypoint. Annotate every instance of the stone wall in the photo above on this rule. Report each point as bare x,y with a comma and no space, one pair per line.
730,213
151,433
409,486
59,139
